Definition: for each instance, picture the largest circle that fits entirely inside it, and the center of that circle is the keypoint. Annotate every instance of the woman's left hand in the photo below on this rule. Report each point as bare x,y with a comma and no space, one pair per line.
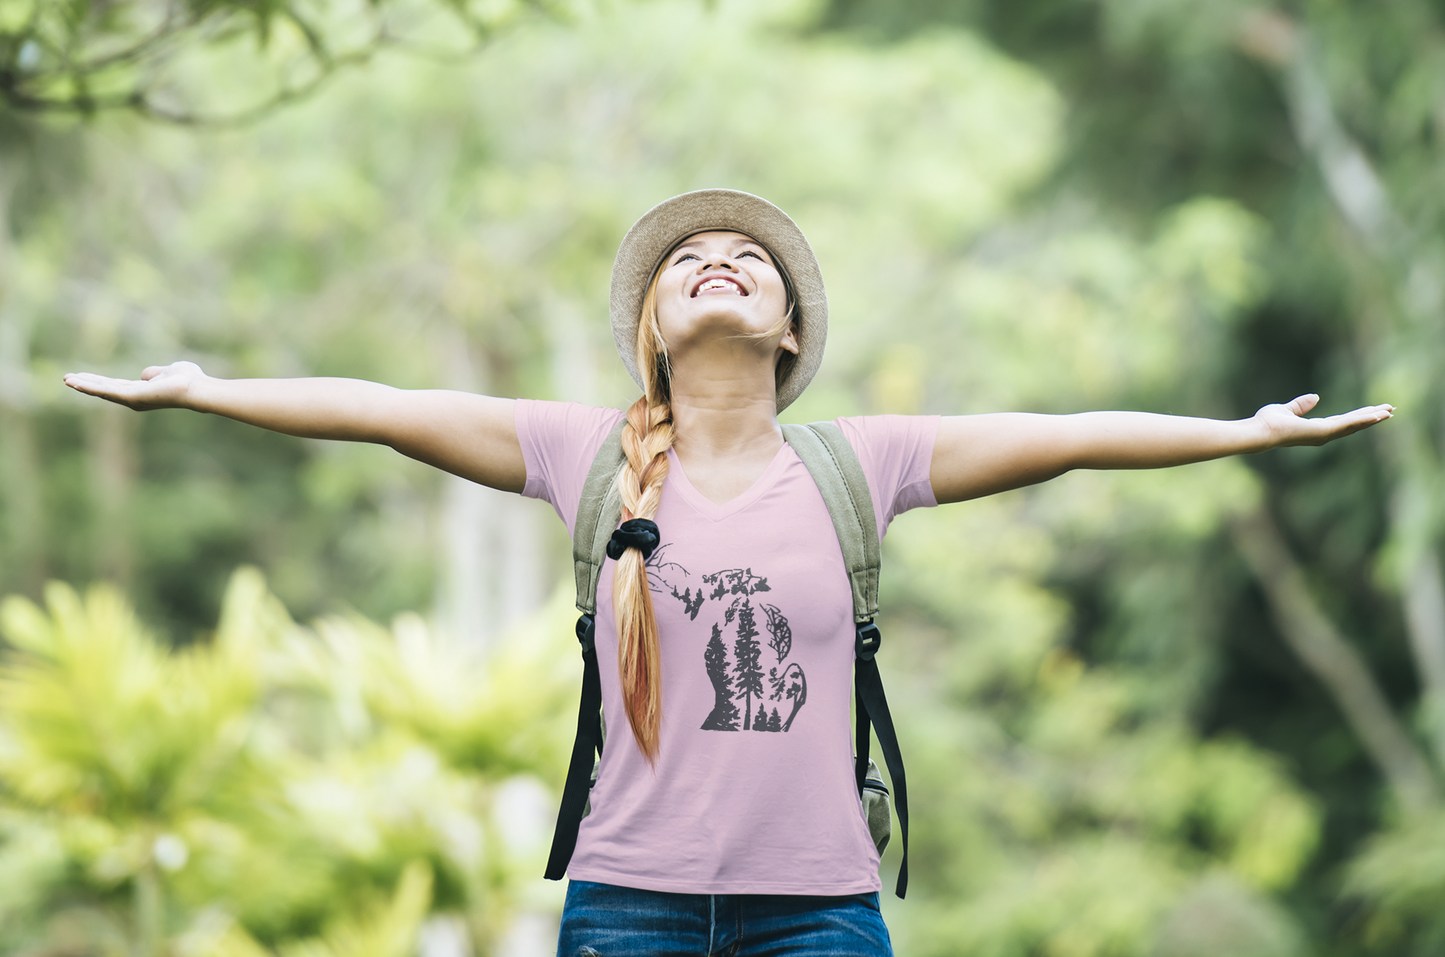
1285,424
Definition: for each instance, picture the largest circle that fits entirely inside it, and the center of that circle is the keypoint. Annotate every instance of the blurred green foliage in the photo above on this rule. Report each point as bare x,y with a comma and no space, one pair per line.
1051,206
303,791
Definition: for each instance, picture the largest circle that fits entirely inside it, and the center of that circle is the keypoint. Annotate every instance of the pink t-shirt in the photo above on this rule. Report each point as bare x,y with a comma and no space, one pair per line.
753,791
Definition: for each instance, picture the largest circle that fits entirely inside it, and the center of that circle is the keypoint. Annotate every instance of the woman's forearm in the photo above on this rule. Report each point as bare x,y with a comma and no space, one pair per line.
1145,440
320,408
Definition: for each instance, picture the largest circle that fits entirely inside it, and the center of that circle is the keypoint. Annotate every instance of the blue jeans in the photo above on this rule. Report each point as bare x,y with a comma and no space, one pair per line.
603,920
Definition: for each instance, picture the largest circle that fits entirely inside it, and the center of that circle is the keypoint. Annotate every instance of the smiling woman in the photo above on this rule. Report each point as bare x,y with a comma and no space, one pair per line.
702,838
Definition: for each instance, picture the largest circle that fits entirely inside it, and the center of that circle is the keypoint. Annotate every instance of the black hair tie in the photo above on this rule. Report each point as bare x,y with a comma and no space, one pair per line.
638,533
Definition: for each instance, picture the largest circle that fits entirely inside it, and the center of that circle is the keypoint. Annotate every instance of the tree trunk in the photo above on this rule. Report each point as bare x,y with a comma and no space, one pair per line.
22,507
110,447
1425,616
1325,652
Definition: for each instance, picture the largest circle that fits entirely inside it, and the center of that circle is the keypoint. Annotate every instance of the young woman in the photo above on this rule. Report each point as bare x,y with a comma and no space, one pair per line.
705,837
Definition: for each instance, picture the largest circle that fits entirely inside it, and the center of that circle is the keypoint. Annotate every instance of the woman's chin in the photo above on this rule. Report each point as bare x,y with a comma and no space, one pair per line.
717,322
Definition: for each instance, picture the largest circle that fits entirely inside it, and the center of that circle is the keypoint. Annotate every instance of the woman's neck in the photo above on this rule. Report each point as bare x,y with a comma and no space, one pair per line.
726,425
722,408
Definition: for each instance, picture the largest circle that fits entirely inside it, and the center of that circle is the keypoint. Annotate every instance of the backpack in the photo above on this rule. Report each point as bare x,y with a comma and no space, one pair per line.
835,469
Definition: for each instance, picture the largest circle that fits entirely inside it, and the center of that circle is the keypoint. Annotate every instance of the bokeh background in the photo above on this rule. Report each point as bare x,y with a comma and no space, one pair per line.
269,696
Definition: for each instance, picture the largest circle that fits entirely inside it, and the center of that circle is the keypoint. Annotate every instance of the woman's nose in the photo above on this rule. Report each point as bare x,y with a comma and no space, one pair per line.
717,262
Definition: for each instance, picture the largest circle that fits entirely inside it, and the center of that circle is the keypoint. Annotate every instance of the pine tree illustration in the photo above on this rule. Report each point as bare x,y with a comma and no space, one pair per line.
747,653
774,722
760,720
724,714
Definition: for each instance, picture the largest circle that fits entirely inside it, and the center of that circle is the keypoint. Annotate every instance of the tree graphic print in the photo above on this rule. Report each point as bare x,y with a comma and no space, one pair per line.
782,633
724,714
791,683
664,575
737,684
748,669
735,581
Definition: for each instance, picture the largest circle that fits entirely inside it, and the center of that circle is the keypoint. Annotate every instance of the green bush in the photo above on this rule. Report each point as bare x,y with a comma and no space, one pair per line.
303,791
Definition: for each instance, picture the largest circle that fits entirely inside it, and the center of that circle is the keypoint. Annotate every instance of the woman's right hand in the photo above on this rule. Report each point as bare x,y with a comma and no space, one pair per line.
159,387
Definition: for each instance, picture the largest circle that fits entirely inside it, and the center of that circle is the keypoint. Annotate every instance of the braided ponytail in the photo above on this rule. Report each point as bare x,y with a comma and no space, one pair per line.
646,438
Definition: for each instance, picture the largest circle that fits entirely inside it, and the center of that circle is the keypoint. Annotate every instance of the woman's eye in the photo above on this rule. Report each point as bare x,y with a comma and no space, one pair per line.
749,252
684,258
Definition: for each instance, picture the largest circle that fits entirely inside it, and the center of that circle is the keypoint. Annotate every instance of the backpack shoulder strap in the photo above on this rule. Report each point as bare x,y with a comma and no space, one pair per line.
597,515
839,476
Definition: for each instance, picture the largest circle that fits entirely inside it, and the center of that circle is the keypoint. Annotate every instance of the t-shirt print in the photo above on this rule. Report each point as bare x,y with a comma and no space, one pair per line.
728,601
752,790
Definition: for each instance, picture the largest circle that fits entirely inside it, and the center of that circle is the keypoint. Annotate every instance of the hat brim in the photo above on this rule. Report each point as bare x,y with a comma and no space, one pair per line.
704,210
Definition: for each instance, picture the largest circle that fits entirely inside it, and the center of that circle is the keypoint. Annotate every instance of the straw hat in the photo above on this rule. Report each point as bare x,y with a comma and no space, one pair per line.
705,210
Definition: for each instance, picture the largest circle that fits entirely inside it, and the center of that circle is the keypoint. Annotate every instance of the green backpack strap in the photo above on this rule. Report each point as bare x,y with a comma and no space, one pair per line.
839,476
597,515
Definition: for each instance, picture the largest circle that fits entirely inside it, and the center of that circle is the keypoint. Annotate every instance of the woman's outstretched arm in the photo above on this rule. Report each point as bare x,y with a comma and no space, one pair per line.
978,455
474,436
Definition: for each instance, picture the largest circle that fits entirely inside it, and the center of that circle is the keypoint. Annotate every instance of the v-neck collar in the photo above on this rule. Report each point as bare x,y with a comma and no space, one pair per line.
718,512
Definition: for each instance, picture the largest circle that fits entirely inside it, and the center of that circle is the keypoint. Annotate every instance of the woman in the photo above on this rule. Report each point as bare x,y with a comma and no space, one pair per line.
703,836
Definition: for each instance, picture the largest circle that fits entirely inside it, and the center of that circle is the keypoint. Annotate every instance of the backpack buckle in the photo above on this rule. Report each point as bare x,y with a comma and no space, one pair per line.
867,641
586,634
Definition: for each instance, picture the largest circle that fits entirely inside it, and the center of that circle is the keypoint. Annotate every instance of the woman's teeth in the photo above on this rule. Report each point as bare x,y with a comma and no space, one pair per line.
719,284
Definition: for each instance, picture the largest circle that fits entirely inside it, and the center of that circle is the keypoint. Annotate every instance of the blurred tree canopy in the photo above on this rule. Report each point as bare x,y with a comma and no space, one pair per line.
1197,711
203,61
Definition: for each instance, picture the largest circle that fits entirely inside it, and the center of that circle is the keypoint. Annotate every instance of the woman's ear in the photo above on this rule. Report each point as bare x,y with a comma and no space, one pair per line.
789,342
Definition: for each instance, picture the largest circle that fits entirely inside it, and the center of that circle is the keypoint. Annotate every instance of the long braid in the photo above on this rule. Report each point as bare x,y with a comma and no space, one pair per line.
646,438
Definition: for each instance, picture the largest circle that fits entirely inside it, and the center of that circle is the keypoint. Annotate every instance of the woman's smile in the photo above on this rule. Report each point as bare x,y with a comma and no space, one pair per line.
719,284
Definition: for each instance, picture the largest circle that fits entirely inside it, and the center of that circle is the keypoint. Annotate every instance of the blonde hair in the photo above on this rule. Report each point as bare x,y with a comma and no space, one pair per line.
646,437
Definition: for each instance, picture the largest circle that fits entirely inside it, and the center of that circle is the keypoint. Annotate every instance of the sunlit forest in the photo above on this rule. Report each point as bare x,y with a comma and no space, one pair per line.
268,696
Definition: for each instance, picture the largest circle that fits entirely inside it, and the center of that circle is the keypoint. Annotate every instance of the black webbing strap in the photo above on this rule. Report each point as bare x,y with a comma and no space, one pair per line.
579,769
870,705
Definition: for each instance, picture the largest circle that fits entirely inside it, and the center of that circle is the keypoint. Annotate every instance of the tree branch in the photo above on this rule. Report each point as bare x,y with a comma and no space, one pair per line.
1425,619
1325,652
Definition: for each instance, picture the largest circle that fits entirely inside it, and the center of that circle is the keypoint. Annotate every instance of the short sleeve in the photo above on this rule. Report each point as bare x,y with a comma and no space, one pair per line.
896,452
559,441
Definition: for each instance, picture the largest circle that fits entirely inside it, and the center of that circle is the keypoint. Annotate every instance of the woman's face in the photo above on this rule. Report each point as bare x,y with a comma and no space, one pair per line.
722,285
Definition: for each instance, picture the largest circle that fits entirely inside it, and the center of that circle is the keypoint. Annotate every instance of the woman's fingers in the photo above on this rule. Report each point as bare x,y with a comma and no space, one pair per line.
1288,425
1347,423
182,367
104,387
1361,418
159,387
1302,404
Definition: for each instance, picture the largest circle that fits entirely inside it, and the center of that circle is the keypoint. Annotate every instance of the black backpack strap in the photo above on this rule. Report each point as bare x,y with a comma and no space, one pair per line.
839,476
598,512
579,768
